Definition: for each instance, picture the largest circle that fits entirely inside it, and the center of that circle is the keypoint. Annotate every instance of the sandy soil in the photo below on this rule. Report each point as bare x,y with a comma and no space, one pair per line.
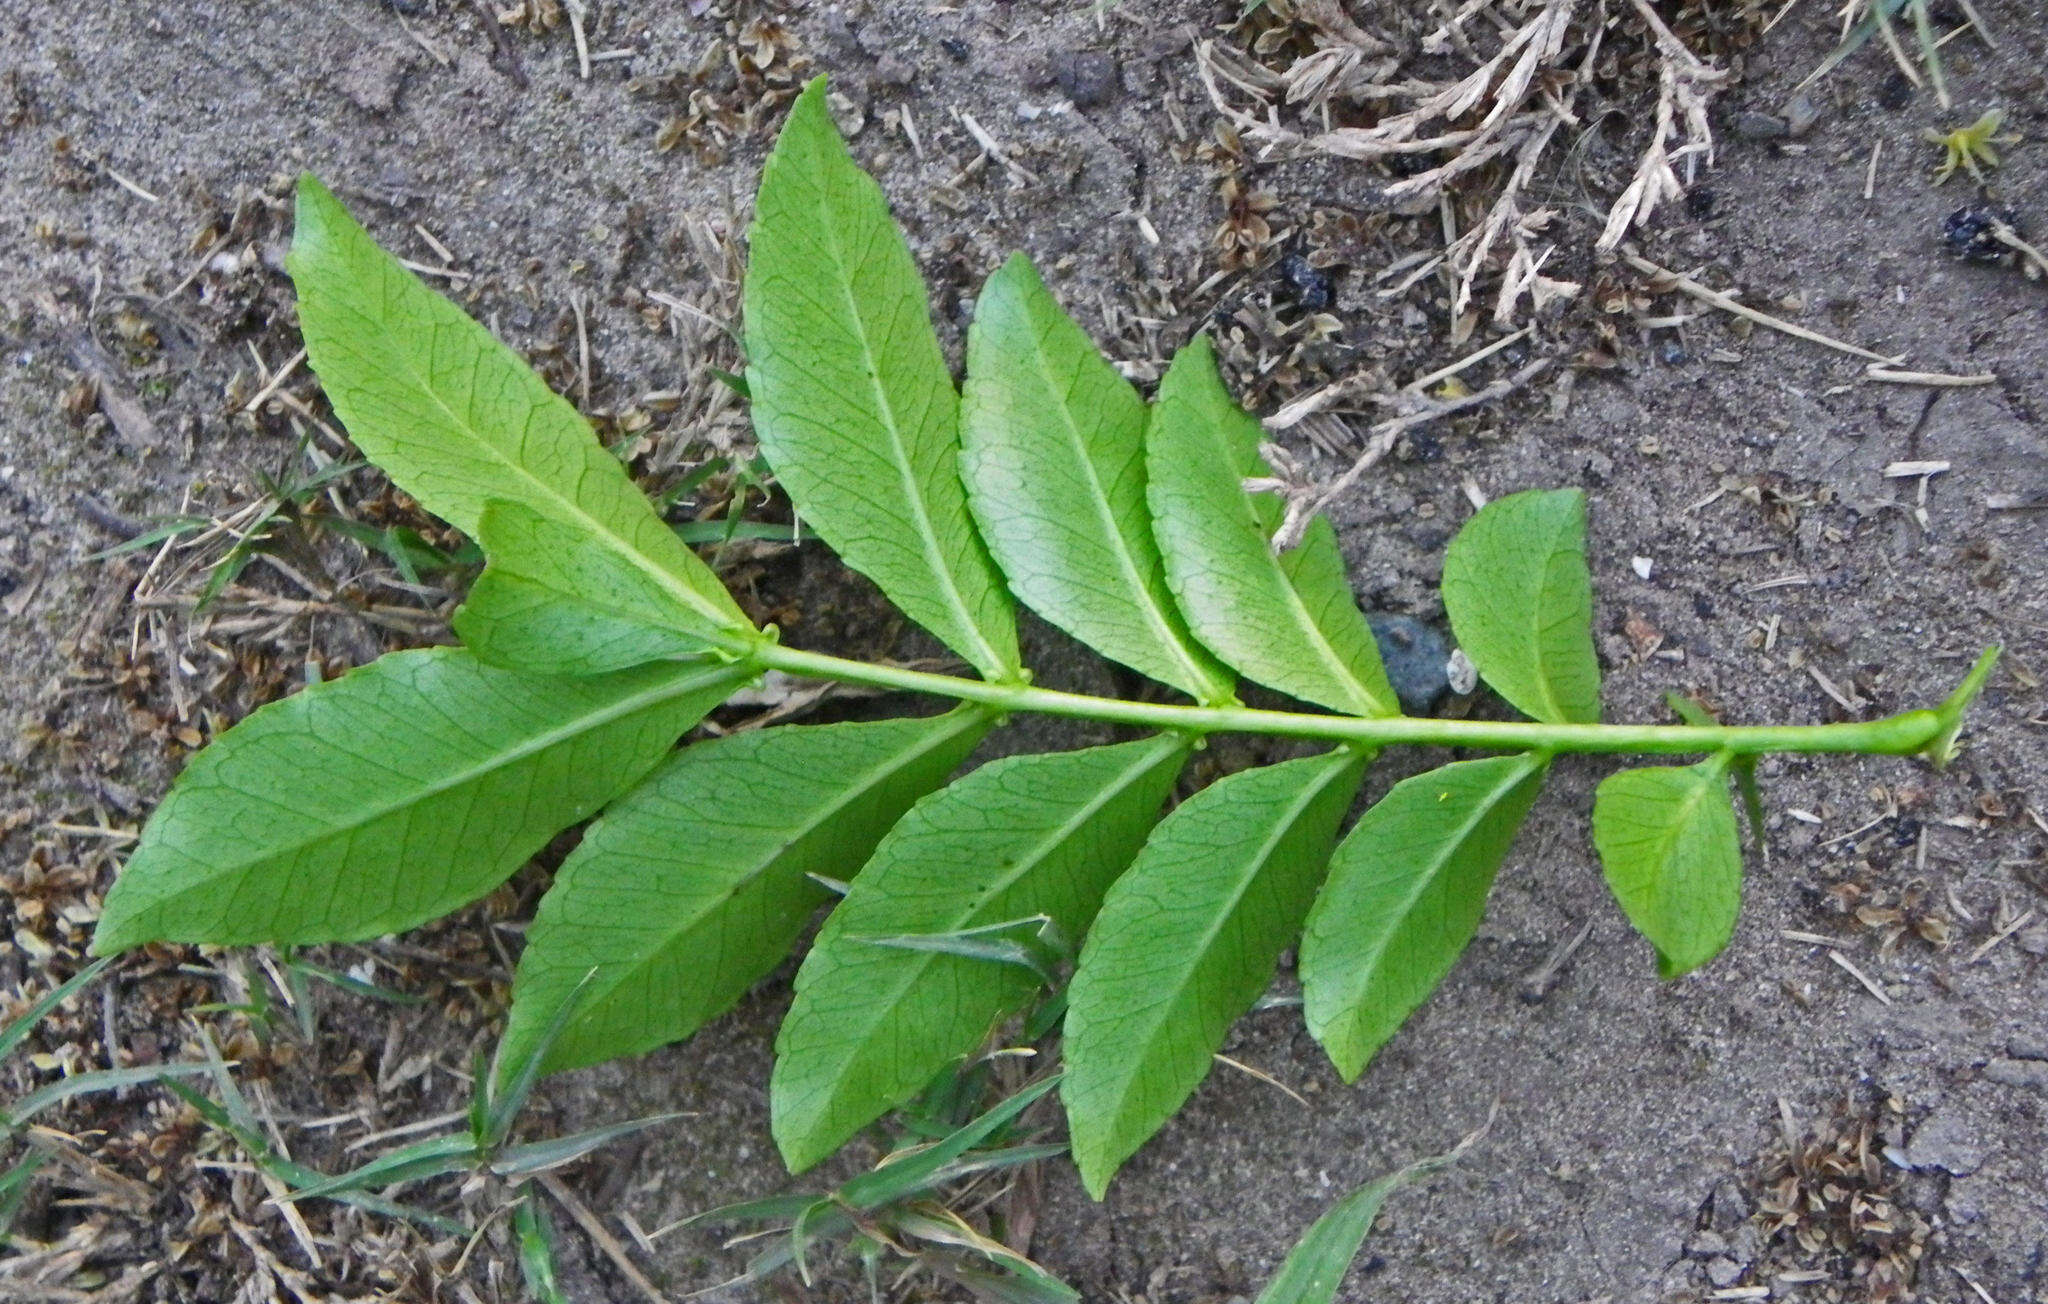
1638,1122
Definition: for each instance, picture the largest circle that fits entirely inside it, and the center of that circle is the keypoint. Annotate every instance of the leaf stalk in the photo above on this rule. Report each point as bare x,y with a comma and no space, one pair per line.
1898,735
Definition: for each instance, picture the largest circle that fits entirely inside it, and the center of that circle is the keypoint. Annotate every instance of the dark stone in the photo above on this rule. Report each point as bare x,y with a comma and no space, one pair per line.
955,48
1087,77
1672,353
1968,232
1415,657
1751,125
1699,203
1308,285
1905,831
1896,93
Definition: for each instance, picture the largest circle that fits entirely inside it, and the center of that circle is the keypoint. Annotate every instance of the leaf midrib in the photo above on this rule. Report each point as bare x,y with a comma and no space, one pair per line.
662,575
1172,1005
1527,764
1290,596
865,783
913,491
921,962
450,782
1203,683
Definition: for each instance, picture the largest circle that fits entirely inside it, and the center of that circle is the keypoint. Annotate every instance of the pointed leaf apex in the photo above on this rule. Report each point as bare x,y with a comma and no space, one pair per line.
1944,749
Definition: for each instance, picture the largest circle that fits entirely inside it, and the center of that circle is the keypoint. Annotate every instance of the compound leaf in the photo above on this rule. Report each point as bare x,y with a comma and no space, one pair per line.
1186,941
1405,893
1053,451
457,419
1668,843
1024,836
697,882
1521,603
852,402
390,796
554,602
1287,622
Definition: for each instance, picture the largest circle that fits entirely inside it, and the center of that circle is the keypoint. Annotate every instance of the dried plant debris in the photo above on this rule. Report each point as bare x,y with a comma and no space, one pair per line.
735,90
1831,1210
1465,118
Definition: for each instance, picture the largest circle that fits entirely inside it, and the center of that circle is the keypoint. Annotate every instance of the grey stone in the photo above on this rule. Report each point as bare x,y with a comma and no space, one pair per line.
1801,114
1945,1141
1723,1271
2017,1073
1706,1244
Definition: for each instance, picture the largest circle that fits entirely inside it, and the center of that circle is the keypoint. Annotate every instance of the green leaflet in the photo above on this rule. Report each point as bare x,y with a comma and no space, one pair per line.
553,603
1667,840
390,796
852,402
696,883
1287,622
1406,890
1053,451
457,419
1521,603
1186,941
1022,836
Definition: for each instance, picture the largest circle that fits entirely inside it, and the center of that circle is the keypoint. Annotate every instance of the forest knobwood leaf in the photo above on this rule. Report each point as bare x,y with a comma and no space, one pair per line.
1053,451
1288,622
696,883
390,796
852,402
1521,603
555,602
1405,893
1186,941
457,419
1668,843
1027,835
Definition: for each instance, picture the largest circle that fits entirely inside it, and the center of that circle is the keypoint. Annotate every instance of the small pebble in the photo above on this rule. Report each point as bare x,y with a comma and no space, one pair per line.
1968,232
1895,94
955,48
1642,566
1750,125
1723,1272
1088,78
1309,285
1800,115
1415,657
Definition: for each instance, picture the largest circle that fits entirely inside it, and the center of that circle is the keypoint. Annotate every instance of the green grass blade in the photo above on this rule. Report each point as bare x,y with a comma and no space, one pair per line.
1520,601
1406,890
539,1156
697,883
1026,835
914,1172
79,1084
435,1157
390,796
1673,858
537,1250
1315,1267
852,402
1053,451
24,1023
1289,622
1185,943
